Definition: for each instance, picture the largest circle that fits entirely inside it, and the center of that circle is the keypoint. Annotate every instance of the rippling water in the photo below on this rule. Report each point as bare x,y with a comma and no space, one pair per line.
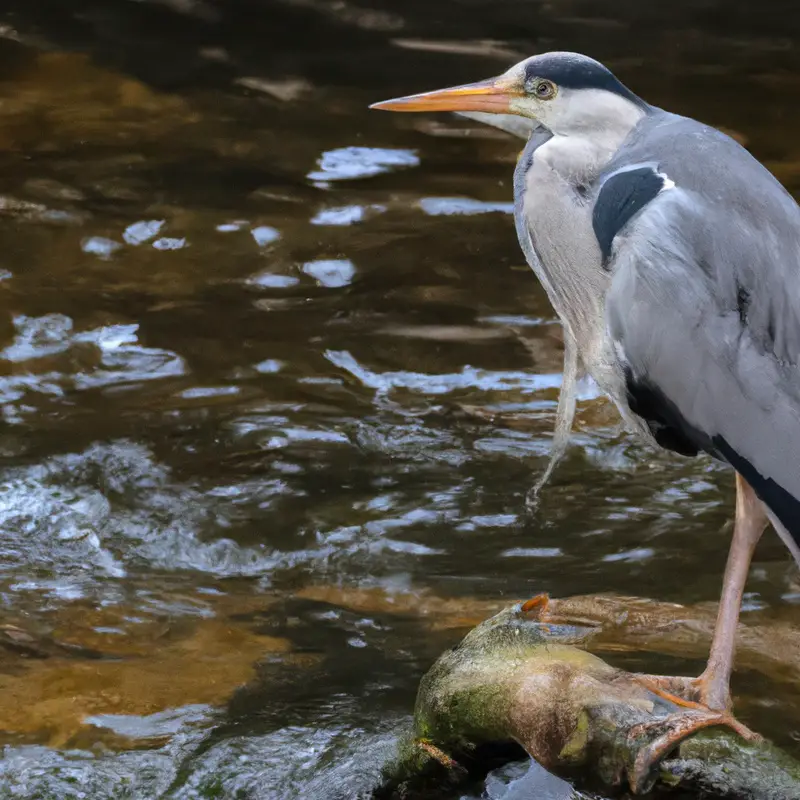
262,349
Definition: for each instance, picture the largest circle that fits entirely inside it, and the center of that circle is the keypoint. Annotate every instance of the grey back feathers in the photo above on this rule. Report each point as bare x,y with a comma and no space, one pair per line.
704,307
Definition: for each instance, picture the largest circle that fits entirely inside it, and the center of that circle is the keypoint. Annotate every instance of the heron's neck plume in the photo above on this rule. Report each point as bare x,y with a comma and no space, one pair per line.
554,225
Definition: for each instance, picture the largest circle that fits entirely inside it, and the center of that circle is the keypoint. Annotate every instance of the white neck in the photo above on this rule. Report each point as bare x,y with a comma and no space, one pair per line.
594,113
559,215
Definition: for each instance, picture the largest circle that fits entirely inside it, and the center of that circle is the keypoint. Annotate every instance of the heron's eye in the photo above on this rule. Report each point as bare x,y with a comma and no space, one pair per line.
544,90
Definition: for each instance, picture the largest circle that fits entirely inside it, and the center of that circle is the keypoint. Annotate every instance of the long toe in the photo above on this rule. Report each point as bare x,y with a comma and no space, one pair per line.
708,691
691,694
661,736
685,692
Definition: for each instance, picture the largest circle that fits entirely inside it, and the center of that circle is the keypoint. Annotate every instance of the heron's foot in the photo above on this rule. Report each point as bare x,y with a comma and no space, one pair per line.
708,694
660,736
695,694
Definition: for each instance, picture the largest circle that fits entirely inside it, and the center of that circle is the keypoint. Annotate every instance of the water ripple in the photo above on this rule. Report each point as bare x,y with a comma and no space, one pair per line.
462,206
331,273
468,378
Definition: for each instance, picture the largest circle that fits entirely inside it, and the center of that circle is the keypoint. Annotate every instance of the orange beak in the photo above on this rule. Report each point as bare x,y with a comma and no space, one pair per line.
492,96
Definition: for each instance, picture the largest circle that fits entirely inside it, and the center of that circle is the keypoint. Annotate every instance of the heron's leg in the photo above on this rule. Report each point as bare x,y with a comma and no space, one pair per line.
751,520
712,688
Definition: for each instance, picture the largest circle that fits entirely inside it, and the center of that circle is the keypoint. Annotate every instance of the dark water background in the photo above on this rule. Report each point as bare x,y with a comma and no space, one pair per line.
262,348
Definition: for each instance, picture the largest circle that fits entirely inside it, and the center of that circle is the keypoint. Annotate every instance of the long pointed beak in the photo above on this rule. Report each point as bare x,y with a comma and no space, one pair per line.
493,96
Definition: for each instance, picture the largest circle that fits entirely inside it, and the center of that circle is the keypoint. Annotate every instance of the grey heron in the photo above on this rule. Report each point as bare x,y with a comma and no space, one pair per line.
672,257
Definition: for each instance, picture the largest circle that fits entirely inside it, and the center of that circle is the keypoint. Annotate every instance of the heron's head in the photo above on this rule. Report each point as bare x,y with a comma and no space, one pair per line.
565,92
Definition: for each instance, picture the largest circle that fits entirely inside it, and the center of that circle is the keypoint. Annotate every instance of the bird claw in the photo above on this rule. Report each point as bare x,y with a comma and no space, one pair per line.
664,735
691,693
678,689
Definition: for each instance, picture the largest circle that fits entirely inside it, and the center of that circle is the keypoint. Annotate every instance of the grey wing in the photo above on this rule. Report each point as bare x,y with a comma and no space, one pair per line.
704,315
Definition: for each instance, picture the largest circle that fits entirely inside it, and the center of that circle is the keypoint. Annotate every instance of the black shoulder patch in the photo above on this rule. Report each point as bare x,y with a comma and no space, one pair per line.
742,303
621,197
665,422
784,505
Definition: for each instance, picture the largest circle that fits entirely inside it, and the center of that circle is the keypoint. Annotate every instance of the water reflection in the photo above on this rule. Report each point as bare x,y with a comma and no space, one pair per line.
331,273
346,215
100,246
264,235
63,359
467,378
140,232
269,280
350,163
262,347
437,206
169,243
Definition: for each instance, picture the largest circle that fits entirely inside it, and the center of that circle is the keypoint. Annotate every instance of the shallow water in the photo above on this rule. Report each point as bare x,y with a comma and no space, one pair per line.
262,347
